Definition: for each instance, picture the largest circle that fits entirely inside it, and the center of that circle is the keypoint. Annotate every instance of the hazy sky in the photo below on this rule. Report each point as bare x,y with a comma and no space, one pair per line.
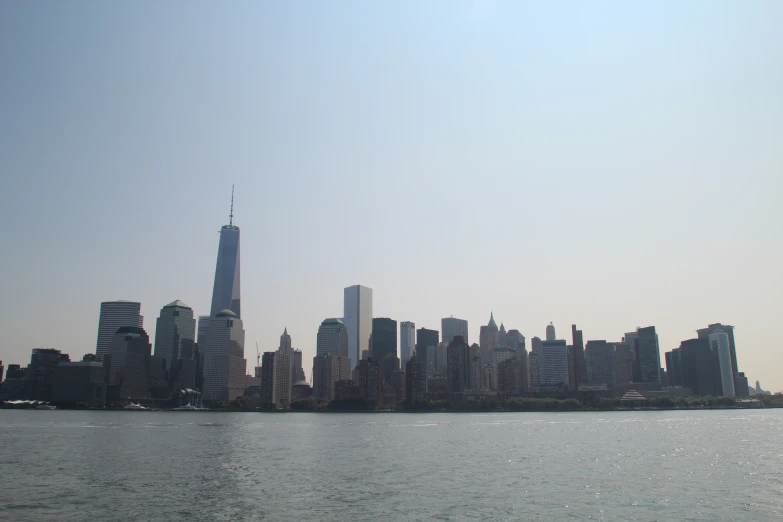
609,164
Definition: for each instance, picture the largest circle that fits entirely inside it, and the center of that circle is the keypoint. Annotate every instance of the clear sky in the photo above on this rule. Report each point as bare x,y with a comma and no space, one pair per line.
609,164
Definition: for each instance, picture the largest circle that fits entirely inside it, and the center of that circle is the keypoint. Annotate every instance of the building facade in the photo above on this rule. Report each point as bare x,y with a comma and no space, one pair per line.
174,326
224,358
719,343
226,288
113,316
357,317
407,341
452,327
415,381
553,365
384,338
332,338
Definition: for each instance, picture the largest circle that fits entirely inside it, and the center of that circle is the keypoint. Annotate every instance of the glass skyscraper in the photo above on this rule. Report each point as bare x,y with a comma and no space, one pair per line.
357,317
225,292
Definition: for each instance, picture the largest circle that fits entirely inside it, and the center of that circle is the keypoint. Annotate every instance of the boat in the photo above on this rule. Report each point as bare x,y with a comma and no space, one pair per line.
135,407
188,407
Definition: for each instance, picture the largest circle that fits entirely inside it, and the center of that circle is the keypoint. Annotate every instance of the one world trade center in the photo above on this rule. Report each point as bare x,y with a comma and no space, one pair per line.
225,293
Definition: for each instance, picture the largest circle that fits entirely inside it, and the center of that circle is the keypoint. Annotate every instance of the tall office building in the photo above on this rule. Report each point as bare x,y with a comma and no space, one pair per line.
698,366
550,332
415,381
332,338
426,341
174,326
129,364
369,382
451,327
225,292
489,340
327,370
705,333
285,342
357,317
601,365
553,364
407,341
580,365
458,365
115,315
384,338
224,358
719,342
535,344
649,356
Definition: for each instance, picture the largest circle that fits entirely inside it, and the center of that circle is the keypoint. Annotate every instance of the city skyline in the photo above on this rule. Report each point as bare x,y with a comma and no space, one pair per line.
609,166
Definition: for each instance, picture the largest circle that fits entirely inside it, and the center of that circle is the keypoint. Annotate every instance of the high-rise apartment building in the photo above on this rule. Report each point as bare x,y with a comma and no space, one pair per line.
601,365
174,326
415,381
332,338
719,343
224,358
115,315
327,370
357,317
225,291
384,338
369,381
451,327
407,341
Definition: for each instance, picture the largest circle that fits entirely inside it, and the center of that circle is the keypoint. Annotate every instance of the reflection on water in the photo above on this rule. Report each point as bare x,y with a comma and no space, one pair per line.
60,465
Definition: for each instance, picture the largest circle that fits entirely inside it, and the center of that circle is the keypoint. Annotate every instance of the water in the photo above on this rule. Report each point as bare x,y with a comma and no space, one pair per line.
694,465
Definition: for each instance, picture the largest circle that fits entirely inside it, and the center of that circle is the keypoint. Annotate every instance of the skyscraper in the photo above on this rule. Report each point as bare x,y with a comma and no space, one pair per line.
719,342
407,341
553,364
704,333
415,381
224,358
649,354
115,315
175,325
458,365
550,332
357,317
129,364
451,327
426,340
285,341
384,338
225,292
699,366
580,366
332,338
489,340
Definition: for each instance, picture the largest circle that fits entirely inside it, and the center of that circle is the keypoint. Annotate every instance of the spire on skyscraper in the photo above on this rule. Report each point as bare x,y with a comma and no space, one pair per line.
492,322
231,215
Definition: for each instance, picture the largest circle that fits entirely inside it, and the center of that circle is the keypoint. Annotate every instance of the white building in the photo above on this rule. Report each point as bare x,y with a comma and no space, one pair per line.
452,327
553,364
175,325
407,341
357,317
115,315
281,394
224,357
719,341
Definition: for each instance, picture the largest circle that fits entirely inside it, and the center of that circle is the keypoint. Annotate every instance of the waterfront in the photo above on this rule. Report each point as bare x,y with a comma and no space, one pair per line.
698,465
